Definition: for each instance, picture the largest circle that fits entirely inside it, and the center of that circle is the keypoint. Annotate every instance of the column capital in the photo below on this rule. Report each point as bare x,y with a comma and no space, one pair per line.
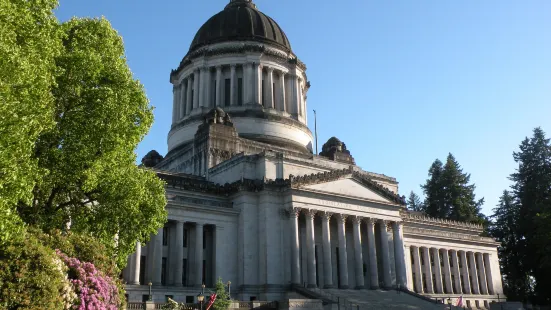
233,66
398,225
293,211
326,215
310,213
270,69
356,219
218,67
370,222
342,218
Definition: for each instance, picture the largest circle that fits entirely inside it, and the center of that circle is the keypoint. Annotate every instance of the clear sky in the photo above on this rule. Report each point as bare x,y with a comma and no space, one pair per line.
400,82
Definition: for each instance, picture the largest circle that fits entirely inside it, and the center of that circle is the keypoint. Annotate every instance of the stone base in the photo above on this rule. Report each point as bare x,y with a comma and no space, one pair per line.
328,286
311,286
343,287
374,287
359,287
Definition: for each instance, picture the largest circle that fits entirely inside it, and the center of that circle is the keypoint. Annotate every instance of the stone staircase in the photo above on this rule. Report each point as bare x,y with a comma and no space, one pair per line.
371,300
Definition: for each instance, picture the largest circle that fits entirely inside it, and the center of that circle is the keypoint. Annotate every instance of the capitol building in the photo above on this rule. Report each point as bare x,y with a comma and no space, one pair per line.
251,203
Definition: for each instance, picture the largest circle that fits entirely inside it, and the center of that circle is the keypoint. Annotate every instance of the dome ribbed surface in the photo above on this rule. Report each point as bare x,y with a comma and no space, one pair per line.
240,21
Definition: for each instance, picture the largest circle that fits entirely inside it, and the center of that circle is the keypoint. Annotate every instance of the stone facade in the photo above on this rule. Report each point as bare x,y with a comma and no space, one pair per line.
248,202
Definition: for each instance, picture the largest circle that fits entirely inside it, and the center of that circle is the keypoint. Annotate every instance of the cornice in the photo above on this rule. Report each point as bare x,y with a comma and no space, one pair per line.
448,235
409,217
239,48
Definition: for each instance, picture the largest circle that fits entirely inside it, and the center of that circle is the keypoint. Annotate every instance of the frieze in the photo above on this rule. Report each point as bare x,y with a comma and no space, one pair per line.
203,202
446,234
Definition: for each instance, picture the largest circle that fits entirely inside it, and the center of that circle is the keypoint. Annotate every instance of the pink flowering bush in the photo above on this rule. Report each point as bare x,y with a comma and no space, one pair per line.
94,290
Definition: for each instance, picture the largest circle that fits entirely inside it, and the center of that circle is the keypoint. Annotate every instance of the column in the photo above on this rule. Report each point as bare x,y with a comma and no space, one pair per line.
474,276
150,259
417,270
174,104
233,86
409,269
456,274
158,260
206,88
387,280
481,275
358,252
282,106
219,86
248,87
257,82
437,270
137,264
373,271
327,265
447,275
269,96
299,97
295,259
343,257
189,104
399,256
311,248
198,254
489,276
182,100
465,273
428,270
196,91
179,244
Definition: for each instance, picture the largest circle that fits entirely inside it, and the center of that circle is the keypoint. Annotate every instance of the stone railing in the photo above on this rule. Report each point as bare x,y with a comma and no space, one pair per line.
135,305
409,217
447,234
234,305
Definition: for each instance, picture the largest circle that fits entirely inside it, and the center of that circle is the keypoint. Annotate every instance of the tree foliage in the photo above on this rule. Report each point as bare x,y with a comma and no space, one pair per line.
414,203
532,191
448,193
100,114
222,301
29,42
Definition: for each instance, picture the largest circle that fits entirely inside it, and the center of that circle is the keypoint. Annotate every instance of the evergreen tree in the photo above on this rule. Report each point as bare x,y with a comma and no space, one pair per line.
433,191
504,228
222,301
532,189
414,203
449,194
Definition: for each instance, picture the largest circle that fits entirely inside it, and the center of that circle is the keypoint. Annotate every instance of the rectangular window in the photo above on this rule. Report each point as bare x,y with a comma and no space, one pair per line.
214,94
263,95
184,272
227,92
338,267
163,272
191,102
185,237
240,91
143,262
165,235
190,299
145,298
204,240
204,270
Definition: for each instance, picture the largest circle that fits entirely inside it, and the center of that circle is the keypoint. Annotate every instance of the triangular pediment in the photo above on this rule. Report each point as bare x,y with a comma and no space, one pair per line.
348,187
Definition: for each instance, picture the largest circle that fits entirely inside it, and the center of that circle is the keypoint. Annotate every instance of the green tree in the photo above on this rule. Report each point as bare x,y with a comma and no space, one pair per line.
29,42
434,192
532,189
222,301
449,194
100,115
512,255
414,203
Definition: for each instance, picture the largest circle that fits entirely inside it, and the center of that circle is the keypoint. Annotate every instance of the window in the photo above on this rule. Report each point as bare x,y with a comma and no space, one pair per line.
185,237
263,95
191,102
143,261
364,269
214,94
252,298
227,92
163,272
165,235
204,240
145,298
190,299
240,91
184,273
204,270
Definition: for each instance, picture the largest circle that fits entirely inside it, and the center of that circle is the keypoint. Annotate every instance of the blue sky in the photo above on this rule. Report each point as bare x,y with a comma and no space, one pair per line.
400,82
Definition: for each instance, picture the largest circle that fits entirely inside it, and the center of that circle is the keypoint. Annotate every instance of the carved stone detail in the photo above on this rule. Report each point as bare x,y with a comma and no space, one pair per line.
342,218
446,234
327,215
310,213
293,211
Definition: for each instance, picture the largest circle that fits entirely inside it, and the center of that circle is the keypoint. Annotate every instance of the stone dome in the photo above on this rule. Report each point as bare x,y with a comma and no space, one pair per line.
240,21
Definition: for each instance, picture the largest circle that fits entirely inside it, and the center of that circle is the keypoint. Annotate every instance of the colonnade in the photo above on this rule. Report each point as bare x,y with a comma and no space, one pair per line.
444,271
357,221
238,85
175,265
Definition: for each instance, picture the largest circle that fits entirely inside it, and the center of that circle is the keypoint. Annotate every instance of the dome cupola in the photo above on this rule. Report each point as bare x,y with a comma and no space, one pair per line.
241,62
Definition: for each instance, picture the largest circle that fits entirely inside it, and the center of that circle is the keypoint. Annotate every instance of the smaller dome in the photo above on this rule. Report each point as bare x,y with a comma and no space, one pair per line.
151,159
240,21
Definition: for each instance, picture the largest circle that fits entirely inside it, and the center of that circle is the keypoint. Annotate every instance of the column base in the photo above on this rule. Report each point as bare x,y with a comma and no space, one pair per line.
156,284
374,287
134,283
343,287
329,286
359,287
311,286
178,285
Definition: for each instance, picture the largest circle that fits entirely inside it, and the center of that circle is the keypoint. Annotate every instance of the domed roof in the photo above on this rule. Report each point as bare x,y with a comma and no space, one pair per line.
240,21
